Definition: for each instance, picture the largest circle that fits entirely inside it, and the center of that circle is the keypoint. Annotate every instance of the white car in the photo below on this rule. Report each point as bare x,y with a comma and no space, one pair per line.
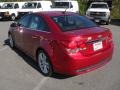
65,5
1,3
10,10
99,12
35,6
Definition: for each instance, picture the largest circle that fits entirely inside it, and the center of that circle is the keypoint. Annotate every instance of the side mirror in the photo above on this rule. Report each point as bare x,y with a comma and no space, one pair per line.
13,25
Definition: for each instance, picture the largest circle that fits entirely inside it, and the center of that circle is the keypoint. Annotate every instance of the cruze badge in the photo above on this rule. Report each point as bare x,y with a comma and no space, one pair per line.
89,38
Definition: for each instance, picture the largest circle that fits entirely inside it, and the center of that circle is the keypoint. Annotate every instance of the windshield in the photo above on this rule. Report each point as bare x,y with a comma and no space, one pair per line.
99,6
73,22
62,4
29,5
7,6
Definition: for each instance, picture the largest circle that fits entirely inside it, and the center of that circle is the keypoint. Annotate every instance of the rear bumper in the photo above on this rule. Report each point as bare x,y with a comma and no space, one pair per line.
81,64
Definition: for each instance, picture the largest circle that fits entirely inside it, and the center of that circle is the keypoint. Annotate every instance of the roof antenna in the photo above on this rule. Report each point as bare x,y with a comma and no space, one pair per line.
65,11
66,8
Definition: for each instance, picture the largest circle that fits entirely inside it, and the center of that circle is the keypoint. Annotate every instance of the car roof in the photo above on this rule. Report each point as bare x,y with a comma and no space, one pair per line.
54,13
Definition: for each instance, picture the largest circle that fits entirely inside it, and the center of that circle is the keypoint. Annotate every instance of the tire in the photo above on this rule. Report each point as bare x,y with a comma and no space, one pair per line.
44,63
11,41
13,17
107,22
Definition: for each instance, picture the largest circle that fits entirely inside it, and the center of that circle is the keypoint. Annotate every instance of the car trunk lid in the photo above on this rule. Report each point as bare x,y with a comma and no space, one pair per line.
95,39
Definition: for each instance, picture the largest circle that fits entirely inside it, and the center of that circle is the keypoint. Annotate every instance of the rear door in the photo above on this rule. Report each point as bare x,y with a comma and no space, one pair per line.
35,34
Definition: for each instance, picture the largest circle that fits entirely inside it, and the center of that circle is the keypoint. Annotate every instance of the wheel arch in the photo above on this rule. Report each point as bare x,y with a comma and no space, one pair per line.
37,50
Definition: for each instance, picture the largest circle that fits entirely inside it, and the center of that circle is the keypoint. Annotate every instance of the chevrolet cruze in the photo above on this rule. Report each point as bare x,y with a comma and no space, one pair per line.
62,42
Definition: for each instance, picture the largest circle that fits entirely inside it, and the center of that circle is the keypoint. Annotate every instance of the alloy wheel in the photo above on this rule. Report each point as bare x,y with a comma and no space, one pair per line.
44,64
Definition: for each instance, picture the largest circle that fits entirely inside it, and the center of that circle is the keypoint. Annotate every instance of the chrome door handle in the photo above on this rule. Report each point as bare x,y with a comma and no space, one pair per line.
35,36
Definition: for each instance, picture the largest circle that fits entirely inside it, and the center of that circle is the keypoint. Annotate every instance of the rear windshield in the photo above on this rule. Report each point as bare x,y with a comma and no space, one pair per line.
99,6
62,4
73,22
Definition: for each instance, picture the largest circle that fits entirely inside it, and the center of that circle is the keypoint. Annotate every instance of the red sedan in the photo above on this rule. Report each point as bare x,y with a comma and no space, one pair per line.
62,42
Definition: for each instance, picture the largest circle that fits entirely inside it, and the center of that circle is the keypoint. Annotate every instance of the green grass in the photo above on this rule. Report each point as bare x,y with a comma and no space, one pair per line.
116,12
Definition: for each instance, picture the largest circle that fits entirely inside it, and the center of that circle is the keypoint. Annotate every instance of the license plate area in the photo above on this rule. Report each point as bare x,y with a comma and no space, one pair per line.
97,45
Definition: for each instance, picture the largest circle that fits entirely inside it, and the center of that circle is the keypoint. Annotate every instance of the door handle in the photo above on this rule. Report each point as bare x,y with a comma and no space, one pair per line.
35,36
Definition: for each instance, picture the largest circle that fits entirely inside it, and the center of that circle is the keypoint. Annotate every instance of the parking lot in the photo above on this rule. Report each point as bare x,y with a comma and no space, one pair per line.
19,72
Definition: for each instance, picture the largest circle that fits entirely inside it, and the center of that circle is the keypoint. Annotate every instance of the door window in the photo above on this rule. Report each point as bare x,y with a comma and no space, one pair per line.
37,23
24,21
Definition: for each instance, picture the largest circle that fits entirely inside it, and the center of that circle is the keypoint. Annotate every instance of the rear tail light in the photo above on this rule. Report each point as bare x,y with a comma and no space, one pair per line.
73,46
82,46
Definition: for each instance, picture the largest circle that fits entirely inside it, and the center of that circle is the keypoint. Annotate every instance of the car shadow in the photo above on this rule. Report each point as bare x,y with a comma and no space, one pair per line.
32,63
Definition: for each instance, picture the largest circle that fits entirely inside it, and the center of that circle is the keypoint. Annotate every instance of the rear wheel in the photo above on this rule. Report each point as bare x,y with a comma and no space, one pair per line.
44,63
107,22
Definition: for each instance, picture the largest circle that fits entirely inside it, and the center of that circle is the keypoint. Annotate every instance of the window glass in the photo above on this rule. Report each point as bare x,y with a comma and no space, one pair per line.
30,5
99,6
37,23
7,6
24,21
39,5
73,22
16,6
62,5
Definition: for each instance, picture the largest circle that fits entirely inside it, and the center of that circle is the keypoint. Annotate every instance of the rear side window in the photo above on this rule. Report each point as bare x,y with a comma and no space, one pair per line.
37,23
30,5
73,22
24,21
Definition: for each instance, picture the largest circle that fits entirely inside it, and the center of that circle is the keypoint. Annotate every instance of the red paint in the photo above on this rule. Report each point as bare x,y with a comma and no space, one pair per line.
59,45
